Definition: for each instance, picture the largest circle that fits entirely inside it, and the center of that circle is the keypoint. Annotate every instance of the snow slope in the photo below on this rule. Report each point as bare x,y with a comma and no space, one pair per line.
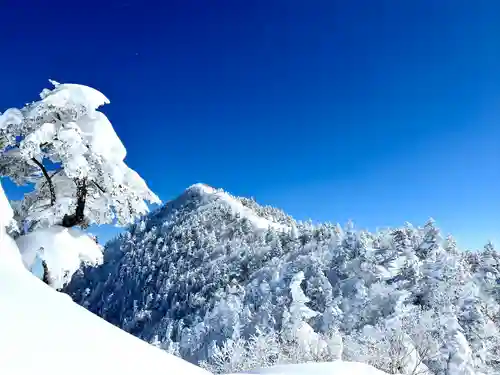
325,368
237,207
5,210
44,332
8,249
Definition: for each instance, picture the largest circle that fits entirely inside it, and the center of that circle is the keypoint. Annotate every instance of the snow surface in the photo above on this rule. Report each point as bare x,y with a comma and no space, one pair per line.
237,207
10,116
6,213
63,250
44,332
321,368
8,249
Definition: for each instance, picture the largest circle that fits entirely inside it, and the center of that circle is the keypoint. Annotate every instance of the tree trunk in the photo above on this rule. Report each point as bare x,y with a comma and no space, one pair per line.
78,217
46,278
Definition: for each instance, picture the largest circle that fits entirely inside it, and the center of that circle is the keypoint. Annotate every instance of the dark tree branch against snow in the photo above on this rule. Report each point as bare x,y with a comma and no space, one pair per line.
48,180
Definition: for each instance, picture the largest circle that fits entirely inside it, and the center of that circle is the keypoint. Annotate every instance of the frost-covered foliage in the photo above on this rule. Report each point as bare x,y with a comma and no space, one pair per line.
70,153
229,288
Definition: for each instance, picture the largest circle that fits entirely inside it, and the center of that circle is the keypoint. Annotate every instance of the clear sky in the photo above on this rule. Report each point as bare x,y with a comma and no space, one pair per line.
379,111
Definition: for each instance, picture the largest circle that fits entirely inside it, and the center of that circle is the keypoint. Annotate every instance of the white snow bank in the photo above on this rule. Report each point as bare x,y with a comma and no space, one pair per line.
322,368
43,332
8,248
62,249
6,213
237,207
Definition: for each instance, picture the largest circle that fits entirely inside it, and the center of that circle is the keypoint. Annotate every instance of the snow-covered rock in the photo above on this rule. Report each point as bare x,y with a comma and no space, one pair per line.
62,249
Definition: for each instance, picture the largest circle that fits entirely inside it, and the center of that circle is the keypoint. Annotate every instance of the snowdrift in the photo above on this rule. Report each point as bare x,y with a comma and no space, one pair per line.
43,331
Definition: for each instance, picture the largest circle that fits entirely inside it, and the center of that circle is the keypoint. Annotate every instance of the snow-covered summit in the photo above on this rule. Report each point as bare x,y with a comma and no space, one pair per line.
210,194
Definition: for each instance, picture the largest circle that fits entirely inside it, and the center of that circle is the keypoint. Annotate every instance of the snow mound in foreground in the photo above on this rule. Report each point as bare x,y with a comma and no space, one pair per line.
323,368
6,213
44,332
8,249
62,249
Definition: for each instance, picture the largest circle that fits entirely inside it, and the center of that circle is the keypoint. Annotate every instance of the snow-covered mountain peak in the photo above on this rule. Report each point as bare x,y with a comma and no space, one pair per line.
241,207
201,188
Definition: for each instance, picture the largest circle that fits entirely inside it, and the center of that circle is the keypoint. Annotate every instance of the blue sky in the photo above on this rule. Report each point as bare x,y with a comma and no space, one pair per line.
379,111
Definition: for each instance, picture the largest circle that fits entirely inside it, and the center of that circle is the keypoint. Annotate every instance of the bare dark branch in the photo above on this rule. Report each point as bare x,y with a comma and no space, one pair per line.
49,181
99,187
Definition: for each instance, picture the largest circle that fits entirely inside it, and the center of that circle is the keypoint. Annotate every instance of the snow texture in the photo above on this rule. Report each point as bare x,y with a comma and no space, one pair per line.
69,94
63,250
102,138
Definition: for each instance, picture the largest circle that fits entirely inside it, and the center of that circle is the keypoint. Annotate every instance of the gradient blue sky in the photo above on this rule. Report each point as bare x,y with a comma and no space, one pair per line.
379,111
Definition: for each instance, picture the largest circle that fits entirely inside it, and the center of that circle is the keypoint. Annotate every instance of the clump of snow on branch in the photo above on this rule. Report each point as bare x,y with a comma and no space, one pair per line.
62,249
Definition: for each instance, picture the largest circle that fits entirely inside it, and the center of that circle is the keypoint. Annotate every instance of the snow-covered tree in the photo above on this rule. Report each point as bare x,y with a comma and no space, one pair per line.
295,320
69,152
